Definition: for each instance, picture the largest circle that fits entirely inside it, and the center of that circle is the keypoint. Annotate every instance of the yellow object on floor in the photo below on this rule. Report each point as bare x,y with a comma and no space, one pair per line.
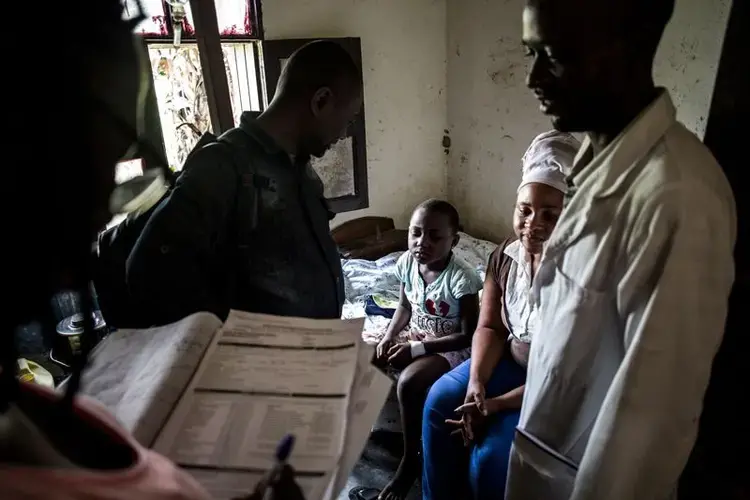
28,371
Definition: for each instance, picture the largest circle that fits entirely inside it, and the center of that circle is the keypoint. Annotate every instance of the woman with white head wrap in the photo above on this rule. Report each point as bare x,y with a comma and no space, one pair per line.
540,194
548,159
490,385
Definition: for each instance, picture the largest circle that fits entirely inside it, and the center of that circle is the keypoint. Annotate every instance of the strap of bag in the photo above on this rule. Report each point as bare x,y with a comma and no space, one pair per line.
247,203
236,143
242,148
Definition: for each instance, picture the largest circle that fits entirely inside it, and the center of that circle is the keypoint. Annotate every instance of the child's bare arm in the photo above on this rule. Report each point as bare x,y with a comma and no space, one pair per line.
401,317
469,305
399,321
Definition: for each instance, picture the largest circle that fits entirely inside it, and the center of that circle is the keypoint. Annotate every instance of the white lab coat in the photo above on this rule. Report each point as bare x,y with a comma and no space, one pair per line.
633,293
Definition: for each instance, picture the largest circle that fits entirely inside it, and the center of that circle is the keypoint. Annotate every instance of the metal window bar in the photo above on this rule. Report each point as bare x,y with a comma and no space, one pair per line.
243,77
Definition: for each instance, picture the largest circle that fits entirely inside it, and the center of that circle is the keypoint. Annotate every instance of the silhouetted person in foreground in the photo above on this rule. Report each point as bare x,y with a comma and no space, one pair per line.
58,446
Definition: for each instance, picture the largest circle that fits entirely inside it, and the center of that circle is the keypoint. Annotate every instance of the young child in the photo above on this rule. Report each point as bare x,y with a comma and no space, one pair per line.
439,304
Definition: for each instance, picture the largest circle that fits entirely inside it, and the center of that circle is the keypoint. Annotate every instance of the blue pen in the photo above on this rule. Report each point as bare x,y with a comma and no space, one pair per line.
283,450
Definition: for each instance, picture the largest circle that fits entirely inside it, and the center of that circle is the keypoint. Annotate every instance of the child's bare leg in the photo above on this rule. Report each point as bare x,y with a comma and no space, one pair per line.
413,384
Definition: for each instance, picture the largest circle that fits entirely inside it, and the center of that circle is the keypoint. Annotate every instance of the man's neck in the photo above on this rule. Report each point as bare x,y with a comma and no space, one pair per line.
630,107
275,121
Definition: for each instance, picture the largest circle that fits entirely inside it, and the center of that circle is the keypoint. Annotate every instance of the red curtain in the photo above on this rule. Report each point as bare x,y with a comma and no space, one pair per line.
234,17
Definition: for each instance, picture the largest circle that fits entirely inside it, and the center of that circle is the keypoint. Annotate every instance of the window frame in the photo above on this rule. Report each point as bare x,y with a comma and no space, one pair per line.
267,56
209,41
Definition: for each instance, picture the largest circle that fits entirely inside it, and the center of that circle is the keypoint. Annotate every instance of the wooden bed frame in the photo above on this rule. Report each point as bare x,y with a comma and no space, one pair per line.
369,238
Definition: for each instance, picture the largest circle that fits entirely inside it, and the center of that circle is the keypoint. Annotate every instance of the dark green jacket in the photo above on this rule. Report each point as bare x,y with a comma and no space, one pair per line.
251,237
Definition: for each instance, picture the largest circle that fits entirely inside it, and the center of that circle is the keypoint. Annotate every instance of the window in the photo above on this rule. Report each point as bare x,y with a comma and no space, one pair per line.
220,68
343,169
186,107
181,97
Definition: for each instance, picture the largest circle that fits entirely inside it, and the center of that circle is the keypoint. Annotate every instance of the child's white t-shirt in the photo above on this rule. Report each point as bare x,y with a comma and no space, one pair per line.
435,307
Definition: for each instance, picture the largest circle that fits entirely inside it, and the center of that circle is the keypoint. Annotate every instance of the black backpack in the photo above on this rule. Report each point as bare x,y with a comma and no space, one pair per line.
115,244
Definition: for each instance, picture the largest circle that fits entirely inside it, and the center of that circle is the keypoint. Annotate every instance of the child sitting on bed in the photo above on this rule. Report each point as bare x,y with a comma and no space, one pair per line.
439,304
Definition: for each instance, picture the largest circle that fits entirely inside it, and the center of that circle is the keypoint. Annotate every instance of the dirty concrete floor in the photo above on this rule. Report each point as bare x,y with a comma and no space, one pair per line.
378,464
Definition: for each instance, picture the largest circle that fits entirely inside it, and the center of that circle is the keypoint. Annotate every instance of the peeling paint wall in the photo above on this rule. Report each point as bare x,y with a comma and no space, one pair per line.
492,117
404,64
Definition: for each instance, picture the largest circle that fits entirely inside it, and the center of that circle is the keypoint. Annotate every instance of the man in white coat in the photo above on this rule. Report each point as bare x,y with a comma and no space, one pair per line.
634,281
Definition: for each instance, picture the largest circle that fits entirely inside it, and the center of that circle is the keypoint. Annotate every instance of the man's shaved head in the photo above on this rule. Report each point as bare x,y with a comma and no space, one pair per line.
590,55
322,85
316,65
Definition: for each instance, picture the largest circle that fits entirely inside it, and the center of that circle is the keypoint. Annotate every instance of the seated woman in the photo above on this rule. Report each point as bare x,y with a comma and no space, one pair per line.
481,398
440,305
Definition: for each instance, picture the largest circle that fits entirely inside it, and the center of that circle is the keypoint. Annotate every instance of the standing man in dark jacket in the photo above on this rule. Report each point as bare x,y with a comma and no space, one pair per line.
255,236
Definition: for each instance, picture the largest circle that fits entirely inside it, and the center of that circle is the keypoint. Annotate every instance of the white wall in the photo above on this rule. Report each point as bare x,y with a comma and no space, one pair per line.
404,64
493,117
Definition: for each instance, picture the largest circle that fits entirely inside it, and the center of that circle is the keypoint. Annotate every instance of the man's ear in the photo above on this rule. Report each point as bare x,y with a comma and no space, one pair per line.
456,239
320,99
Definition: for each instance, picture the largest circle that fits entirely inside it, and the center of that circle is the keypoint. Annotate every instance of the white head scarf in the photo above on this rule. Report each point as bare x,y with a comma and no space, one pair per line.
548,159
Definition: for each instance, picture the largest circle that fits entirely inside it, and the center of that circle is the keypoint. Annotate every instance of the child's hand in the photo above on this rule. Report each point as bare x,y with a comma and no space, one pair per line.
381,352
399,355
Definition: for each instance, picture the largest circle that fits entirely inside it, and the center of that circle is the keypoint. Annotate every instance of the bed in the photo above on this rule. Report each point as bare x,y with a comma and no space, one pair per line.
370,248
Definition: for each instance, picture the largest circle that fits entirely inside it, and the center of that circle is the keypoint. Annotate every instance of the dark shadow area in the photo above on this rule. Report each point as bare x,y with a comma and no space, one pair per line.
718,466
378,463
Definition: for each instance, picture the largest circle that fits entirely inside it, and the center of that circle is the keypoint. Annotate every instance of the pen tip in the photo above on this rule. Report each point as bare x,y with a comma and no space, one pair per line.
285,448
